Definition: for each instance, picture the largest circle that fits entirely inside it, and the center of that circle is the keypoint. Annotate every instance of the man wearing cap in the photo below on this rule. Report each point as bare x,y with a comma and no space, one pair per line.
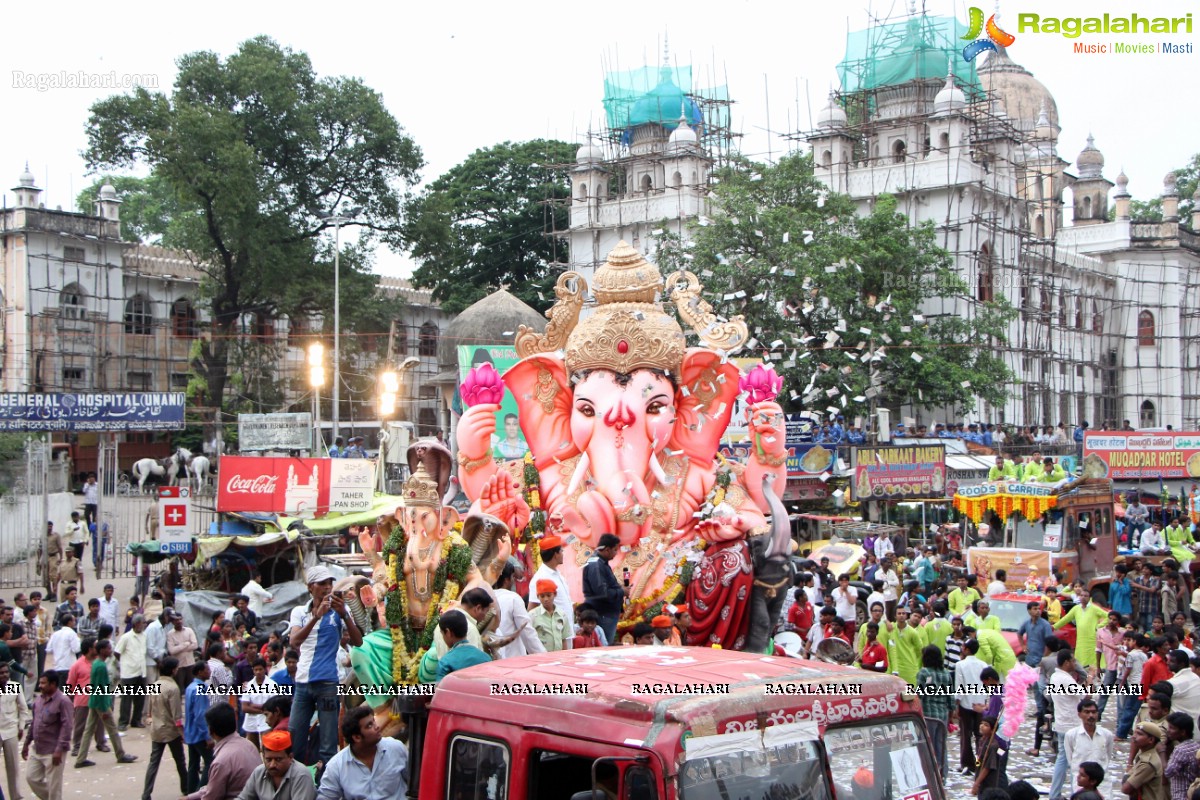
547,620
553,554
316,631
279,777
601,590
355,448
1144,779
664,632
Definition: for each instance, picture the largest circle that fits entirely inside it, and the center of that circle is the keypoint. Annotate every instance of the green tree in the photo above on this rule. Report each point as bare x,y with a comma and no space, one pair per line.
485,223
258,150
148,207
836,299
1187,180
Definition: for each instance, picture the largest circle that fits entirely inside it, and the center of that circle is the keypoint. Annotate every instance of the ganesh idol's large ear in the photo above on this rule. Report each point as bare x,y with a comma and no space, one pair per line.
703,403
539,384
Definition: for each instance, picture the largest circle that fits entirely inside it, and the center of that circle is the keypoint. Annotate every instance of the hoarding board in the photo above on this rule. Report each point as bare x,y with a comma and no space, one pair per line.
898,473
1131,455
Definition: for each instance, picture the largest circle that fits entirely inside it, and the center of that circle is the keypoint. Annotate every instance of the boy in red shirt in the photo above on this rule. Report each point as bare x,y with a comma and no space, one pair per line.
874,655
588,620
800,615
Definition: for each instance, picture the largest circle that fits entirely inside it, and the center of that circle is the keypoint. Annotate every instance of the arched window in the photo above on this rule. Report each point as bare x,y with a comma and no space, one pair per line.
1097,320
1045,301
944,141
138,317
1039,227
1062,308
264,327
827,159
400,343
647,183
1146,329
183,319
427,340
72,302
899,151
1148,415
986,289
677,180
581,191
1079,313
1087,208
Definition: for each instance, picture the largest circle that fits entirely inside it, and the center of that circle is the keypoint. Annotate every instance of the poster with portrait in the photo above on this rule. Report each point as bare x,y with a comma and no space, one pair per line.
508,443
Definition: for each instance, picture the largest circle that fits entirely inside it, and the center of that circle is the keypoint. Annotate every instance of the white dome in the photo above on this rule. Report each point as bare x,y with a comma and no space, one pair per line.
1090,160
950,98
107,192
833,116
682,138
589,153
26,178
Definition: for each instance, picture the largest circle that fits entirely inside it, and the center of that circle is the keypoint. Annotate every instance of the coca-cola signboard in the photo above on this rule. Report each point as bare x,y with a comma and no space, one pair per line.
296,487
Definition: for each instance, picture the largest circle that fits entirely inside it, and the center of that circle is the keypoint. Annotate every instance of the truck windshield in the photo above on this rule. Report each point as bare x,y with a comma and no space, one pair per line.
881,760
1032,535
868,761
794,770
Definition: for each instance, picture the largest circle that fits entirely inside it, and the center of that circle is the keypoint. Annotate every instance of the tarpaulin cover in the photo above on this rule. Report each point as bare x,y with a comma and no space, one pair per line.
198,607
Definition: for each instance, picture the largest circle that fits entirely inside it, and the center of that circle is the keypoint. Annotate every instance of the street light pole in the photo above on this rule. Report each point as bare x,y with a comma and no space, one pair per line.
338,220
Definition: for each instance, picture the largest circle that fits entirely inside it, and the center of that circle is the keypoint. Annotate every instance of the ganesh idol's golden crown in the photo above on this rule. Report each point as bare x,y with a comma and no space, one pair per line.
629,329
421,490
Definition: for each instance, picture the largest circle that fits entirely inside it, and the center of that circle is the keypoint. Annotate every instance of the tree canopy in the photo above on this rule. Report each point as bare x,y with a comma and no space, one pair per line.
1187,180
257,151
837,301
485,223
148,207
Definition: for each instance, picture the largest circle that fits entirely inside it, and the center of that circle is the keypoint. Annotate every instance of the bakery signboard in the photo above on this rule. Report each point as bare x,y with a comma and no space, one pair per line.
1130,455
898,473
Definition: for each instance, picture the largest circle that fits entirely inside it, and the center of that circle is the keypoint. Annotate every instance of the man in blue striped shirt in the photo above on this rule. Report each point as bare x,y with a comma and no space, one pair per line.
316,631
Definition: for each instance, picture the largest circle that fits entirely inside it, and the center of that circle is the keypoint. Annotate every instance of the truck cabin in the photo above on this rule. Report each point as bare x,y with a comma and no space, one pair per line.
656,723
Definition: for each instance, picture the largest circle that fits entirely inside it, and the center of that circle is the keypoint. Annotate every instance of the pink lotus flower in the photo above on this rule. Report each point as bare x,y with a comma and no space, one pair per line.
762,384
482,385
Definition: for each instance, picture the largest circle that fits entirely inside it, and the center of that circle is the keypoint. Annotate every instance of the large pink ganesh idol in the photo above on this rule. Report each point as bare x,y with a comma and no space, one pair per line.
623,421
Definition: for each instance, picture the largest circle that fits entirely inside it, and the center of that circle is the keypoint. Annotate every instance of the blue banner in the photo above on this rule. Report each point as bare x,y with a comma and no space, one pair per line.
107,412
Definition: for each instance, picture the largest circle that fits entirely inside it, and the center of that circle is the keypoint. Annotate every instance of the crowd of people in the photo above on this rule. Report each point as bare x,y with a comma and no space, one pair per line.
931,623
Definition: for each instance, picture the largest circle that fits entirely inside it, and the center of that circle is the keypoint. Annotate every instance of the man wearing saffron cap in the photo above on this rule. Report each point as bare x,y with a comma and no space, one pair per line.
664,631
280,777
553,553
548,621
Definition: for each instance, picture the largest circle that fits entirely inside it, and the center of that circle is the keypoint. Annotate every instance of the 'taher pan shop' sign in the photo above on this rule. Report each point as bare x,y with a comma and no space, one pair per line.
108,412
898,473
1141,456
297,487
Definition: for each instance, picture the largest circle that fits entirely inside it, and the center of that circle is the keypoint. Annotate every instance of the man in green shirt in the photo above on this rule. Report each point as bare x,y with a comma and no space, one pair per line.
883,637
960,598
1088,618
904,647
100,706
981,617
994,650
938,628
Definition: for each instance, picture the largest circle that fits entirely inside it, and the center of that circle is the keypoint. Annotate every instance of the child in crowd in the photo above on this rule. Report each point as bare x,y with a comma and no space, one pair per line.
588,636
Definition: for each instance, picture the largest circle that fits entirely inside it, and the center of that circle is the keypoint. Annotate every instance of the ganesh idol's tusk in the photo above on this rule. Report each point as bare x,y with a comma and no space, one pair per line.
580,470
656,469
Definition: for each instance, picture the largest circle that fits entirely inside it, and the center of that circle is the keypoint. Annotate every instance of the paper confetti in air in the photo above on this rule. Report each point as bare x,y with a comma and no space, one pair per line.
786,236
860,398
917,358
865,331
965,384
808,237
834,392
918,318
507,333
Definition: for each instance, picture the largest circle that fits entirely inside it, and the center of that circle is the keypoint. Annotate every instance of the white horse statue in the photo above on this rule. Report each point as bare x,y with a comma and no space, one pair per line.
195,468
146,468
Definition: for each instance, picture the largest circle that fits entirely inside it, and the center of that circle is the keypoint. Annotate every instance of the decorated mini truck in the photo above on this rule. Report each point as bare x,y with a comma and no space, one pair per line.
661,723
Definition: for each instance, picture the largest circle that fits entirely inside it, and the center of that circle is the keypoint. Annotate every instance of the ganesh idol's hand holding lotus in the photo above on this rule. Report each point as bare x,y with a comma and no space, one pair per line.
623,421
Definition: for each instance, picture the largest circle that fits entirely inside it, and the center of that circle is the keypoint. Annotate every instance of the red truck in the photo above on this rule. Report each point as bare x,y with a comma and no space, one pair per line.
644,723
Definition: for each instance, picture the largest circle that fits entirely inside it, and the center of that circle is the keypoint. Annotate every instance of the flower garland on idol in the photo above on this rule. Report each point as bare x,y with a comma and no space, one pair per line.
408,644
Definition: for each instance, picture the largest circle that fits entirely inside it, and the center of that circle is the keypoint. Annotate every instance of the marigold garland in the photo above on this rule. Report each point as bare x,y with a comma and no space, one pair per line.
1005,505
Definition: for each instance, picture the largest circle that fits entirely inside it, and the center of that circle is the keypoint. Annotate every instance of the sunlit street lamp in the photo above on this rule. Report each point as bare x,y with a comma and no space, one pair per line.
338,220
316,379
